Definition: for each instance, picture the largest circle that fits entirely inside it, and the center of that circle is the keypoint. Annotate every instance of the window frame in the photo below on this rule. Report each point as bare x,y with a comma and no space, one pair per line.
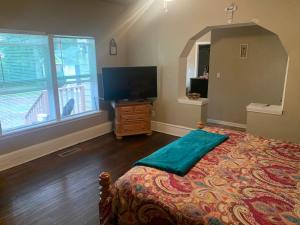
54,79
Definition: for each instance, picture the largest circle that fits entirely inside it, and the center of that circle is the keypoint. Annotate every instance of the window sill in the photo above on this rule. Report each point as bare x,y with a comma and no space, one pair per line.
46,125
264,108
186,100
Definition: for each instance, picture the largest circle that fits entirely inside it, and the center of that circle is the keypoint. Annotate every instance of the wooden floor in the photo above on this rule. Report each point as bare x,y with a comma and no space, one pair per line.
63,190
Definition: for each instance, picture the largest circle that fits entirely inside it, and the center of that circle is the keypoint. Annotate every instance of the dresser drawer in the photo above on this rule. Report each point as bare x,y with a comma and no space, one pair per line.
133,118
142,108
125,110
124,129
143,126
133,110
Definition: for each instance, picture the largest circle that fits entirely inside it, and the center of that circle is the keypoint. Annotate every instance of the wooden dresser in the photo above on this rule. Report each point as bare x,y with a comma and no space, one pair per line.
132,118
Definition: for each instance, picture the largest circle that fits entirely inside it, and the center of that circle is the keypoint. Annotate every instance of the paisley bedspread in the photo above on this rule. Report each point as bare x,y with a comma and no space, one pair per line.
245,180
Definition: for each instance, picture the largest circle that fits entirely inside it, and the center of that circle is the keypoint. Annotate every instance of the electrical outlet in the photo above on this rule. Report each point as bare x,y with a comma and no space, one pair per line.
218,75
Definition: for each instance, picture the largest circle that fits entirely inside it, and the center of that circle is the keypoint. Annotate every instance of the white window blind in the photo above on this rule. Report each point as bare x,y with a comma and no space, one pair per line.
26,82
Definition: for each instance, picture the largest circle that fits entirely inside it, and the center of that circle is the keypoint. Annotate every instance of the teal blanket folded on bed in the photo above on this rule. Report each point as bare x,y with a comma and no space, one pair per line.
181,155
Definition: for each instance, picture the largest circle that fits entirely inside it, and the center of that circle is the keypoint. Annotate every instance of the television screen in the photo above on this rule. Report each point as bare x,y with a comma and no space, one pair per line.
130,83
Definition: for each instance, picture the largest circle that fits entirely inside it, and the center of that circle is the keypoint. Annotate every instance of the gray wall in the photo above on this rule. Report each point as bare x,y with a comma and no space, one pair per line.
71,17
42,134
259,78
159,38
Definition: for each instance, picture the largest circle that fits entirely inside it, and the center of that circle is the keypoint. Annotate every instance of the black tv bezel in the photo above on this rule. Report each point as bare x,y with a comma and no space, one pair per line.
102,89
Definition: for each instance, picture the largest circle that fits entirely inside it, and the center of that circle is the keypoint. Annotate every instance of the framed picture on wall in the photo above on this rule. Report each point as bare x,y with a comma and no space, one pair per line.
243,51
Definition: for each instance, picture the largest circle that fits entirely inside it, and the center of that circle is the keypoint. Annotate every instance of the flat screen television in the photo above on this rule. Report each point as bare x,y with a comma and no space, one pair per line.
129,83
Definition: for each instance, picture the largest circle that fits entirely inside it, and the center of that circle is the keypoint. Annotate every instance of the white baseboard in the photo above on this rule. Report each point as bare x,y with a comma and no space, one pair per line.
36,151
231,124
171,129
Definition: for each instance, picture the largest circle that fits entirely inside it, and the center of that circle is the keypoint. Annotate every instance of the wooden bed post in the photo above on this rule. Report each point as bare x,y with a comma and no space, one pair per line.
200,125
105,198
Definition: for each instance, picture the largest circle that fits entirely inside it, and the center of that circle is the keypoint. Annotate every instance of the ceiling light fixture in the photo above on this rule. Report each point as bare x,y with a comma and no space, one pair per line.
166,5
229,12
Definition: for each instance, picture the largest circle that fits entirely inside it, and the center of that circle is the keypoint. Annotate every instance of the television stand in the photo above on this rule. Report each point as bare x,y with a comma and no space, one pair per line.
132,118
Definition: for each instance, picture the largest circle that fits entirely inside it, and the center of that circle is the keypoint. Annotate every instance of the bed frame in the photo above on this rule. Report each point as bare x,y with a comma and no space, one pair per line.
105,198
106,192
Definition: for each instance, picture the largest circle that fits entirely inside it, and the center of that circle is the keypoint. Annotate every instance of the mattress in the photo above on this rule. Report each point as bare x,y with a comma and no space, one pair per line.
245,180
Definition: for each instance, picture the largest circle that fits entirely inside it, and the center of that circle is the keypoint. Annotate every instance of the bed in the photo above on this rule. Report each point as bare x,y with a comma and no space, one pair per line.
245,180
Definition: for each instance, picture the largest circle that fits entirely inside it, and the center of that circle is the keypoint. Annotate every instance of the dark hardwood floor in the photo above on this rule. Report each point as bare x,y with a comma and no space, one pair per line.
64,190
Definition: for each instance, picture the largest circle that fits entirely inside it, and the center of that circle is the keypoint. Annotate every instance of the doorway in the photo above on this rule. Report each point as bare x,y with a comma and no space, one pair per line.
199,84
203,59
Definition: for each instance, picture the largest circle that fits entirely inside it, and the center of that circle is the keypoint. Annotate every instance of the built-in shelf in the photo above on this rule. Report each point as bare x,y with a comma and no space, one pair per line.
265,108
186,100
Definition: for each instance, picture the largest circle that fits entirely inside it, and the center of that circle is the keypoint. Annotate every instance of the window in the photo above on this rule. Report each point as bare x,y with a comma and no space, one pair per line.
76,73
25,81
27,90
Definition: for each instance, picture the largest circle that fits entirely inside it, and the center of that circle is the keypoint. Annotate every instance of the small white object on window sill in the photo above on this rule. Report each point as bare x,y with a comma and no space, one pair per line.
265,108
186,100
